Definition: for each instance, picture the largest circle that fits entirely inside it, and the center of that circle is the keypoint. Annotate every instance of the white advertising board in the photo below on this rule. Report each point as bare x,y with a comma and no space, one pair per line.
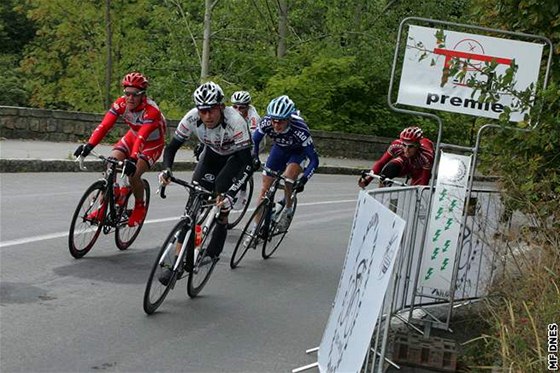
372,249
426,57
444,224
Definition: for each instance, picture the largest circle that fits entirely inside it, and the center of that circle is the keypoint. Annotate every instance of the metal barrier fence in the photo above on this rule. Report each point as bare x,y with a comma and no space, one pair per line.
406,302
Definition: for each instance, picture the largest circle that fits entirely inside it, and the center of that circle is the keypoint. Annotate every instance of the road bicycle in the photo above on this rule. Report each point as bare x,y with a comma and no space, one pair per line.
263,227
101,210
183,252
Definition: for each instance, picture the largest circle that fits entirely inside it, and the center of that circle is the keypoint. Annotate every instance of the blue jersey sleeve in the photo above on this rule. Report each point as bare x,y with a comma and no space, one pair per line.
257,138
313,157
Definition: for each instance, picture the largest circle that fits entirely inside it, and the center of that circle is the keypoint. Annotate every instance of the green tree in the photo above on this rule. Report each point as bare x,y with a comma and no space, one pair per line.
16,31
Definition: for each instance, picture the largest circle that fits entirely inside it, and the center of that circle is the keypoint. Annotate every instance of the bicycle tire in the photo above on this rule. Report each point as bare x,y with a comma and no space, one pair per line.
274,237
125,235
81,236
235,216
156,291
249,235
202,267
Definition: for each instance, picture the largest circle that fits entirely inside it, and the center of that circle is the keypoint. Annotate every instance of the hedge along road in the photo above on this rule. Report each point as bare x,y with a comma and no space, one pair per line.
62,314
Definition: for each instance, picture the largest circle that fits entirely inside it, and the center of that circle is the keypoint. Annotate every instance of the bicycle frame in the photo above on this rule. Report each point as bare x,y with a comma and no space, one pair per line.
109,179
271,192
199,198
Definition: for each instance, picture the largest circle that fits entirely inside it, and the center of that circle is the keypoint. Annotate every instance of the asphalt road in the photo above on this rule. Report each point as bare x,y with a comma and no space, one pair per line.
59,314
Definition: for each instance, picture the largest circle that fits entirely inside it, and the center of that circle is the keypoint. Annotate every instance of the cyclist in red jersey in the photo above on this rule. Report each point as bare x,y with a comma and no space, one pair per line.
411,155
141,146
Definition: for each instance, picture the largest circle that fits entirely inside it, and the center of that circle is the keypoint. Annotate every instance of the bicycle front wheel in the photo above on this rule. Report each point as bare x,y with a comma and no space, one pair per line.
203,266
241,204
125,235
275,235
249,236
162,277
87,220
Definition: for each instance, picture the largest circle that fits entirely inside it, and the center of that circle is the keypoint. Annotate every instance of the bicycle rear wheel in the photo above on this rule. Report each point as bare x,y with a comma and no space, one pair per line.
161,281
241,204
84,230
249,236
274,236
125,235
203,266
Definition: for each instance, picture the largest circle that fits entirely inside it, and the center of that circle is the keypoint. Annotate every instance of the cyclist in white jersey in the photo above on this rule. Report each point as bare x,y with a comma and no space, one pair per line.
241,101
225,163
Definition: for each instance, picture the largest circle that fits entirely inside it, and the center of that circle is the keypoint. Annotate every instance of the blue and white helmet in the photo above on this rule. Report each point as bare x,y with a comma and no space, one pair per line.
208,95
280,108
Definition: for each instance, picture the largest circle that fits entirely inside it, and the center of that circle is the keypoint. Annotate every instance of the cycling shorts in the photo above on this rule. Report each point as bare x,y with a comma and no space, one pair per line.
218,172
150,153
280,157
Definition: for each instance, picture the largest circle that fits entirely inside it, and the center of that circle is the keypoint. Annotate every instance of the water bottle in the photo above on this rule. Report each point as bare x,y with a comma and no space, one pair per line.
123,192
197,235
278,209
116,192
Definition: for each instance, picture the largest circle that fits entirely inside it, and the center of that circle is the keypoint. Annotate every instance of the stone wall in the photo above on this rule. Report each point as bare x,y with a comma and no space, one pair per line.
57,125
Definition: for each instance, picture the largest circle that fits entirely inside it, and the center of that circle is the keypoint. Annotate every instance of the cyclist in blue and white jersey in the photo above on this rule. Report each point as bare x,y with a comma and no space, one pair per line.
291,146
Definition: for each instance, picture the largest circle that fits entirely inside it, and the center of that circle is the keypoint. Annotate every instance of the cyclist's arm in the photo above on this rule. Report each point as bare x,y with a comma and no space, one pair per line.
381,162
313,157
182,134
104,127
170,152
151,123
257,138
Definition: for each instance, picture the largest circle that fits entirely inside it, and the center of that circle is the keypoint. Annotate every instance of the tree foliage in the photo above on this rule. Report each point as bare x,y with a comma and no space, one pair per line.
336,64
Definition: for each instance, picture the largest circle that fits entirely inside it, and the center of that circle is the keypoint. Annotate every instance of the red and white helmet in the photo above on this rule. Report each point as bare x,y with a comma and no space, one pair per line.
135,80
411,134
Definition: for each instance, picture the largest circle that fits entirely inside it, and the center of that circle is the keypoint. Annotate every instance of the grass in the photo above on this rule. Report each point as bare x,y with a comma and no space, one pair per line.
524,301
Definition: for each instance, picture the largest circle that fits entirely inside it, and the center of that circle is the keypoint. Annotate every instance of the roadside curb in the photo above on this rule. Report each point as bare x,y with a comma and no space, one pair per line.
63,165
14,165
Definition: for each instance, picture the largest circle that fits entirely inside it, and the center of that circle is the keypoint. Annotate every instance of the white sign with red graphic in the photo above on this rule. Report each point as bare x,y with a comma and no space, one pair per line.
426,59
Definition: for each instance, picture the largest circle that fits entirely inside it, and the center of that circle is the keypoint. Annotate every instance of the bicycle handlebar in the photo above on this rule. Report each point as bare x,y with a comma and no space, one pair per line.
194,186
384,180
80,159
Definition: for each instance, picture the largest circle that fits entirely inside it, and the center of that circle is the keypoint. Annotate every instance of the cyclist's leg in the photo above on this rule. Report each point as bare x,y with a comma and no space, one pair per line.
206,173
149,156
292,171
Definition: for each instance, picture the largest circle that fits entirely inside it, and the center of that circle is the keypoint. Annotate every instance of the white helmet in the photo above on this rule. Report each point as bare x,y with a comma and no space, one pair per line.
208,95
241,97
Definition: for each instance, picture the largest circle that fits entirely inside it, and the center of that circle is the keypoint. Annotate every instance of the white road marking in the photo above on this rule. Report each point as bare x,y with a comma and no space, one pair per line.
22,241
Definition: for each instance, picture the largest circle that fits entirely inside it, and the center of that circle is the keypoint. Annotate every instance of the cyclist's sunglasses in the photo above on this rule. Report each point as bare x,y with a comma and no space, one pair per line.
241,107
413,145
135,94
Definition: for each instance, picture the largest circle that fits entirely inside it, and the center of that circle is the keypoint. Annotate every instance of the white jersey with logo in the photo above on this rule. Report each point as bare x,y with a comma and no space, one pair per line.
228,137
